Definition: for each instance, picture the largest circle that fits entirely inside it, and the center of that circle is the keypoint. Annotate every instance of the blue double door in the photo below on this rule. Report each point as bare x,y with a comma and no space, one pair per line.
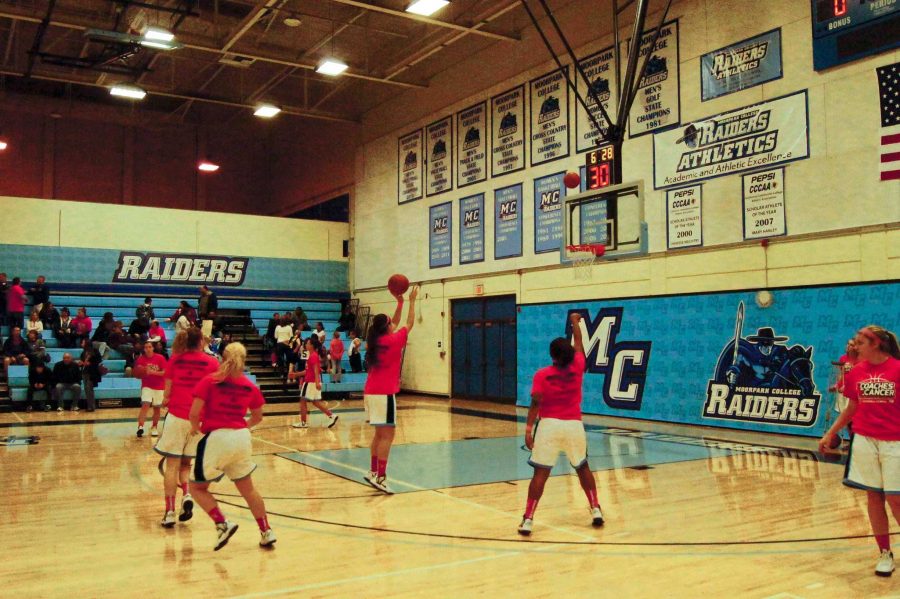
483,348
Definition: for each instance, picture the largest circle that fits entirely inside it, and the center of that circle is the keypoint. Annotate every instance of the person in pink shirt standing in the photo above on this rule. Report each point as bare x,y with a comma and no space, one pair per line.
335,355
873,390
15,304
311,384
384,352
177,444
556,398
220,402
150,367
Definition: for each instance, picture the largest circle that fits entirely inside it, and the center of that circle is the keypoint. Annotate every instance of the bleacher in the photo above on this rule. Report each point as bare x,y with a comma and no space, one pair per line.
117,389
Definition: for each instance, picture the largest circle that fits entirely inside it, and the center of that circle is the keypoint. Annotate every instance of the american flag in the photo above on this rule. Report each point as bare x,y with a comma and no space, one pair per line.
889,94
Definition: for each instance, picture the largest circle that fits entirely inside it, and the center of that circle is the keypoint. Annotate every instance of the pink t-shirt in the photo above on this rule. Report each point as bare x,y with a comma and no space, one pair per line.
312,362
877,389
560,389
156,364
384,377
157,332
14,301
337,349
226,402
185,371
82,325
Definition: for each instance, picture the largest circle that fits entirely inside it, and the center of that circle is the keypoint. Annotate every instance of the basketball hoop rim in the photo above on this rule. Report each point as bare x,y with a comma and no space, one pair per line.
597,249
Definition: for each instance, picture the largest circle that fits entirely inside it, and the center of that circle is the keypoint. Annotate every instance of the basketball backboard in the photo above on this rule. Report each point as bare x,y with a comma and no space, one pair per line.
613,216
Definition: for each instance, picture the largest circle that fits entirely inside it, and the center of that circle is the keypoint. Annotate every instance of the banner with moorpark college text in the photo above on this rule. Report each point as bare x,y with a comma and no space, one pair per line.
762,135
713,359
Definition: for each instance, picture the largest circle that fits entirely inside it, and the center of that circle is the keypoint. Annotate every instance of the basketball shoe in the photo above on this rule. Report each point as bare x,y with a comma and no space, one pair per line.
225,531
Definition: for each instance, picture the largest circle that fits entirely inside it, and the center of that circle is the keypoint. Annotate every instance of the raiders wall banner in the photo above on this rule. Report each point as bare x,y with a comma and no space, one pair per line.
600,69
471,145
765,134
684,217
178,269
409,168
549,108
508,132
741,65
658,101
439,143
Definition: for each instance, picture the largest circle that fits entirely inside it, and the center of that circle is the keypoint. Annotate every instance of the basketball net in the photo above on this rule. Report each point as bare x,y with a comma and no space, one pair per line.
583,257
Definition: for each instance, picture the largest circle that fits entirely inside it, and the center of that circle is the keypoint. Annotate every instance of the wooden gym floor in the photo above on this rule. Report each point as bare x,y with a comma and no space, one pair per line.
686,516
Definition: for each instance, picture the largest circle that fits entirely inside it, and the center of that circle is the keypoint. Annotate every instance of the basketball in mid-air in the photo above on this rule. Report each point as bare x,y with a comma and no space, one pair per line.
572,180
398,284
139,372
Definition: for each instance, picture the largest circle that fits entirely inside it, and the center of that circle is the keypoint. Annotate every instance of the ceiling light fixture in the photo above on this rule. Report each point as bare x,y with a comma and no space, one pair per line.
331,66
207,166
266,111
426,8
127,91
291,22
158,34
3,144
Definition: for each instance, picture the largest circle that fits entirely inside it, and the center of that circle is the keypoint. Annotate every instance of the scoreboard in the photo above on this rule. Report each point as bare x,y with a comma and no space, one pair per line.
600,167
847,30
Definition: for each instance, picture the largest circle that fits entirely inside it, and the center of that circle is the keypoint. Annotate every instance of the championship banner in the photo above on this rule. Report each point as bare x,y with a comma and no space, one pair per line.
684,217
600,69
440,238
439,142
741,65
508,222
471,229
549,116
658,101
765,134
763,202
471,145
508,132
549,192
409,167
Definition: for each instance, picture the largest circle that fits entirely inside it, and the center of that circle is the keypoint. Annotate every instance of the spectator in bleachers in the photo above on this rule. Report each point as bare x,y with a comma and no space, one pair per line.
347,320
37,349
49,316
156,333
92,371
100,338
355,356
15,349
320,331
119,340
208,305
130,359
283,334
186,310
15,304
223,343
34,324
269,337
4,289
300,319
335,355
40,294
67,377
65,329
82,325
139,328
40,380
144,312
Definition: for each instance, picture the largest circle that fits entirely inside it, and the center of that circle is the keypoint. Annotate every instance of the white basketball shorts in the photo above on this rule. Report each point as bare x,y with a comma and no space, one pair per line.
873,465
176,440
309,391
223,452
553,436
154,397
381,410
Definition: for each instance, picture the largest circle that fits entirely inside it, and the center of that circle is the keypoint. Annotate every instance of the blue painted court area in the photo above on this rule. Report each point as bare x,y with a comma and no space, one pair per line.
417,467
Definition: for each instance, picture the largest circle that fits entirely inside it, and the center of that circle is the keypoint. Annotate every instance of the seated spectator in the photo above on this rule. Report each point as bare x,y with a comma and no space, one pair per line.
223,343
189,314
131,357
34,324
300,320
15,349
37,349
82,325
144,312
100,338
269,337
40,294
64,331
347,320
49,316
355,356
92,371
40,380
15,304
4,290
320,331
157,334
119,340
67,376
160,348
139,328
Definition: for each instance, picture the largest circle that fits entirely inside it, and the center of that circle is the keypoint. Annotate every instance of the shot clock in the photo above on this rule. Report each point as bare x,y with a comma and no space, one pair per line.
846,30
599,169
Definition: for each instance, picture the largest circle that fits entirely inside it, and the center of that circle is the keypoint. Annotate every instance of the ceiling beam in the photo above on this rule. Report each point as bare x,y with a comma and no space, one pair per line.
430,21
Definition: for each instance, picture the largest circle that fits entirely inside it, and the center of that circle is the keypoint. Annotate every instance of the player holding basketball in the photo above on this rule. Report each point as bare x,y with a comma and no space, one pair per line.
556,398
177,444
311,385
384,352
873,390
220,402
151,367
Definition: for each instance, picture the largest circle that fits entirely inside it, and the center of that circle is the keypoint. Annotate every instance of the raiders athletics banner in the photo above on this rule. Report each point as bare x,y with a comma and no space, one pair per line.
178,269
409,168
765,134
741,65
600,69
658,101
471,145
508,132
439,142
549,108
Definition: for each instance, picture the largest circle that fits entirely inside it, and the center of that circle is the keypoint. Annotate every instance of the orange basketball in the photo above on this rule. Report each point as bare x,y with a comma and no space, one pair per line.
398,284
139,372
572,180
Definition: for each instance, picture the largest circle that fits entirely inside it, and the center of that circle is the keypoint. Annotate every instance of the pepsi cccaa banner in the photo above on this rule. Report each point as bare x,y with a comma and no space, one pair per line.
439,143
658,101
765,134
508,132
410,167
600,70
741,65
471,229
471,145
508,222
440,238
549,117
712,359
